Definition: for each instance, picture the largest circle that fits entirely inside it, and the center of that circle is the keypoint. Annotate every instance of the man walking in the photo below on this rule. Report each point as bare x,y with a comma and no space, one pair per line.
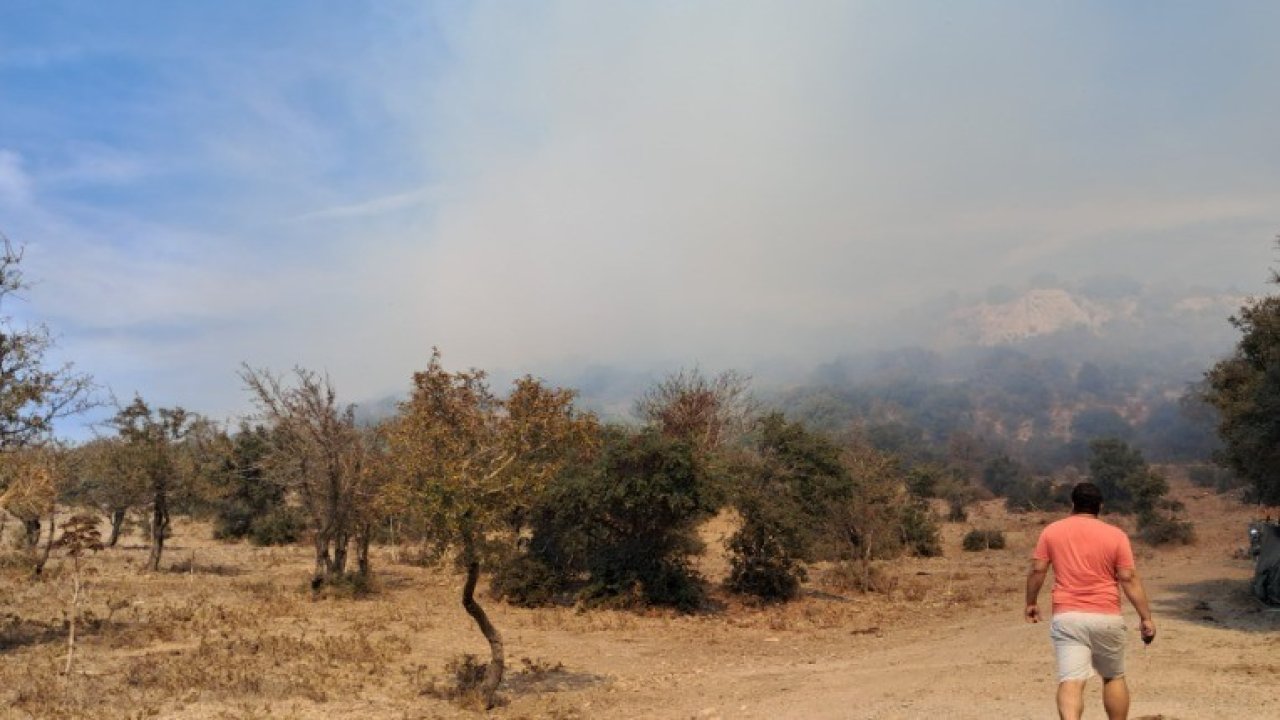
1089,559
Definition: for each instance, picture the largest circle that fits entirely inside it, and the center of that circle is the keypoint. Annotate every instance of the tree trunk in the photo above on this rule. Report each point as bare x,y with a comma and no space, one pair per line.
117,522
43,557
322,560
362,549
492,674
339,555
159,529
32,527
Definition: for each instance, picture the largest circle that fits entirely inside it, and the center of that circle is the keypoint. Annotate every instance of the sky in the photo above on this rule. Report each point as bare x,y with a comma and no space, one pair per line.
343,185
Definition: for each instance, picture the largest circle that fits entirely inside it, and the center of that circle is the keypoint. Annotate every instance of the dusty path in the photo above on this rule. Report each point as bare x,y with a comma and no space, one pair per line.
1218,654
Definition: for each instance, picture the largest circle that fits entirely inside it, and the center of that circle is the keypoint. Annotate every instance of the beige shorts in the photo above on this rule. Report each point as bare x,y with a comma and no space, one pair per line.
1084,642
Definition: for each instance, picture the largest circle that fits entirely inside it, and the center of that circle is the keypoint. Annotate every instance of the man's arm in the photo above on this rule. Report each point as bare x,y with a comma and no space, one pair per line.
1137,595
1035,581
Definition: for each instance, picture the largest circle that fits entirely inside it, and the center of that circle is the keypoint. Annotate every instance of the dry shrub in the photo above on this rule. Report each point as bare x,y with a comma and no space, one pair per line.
979,540
863,577
461,685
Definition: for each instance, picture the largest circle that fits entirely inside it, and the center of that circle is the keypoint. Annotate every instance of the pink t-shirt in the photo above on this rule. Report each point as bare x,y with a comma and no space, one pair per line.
1085,554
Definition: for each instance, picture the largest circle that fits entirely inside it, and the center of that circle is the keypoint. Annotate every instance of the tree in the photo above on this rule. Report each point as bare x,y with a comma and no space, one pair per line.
1245,390
154,457
1128,485
33,394
250,501
705,412
317,453
786,494
107,479
477,462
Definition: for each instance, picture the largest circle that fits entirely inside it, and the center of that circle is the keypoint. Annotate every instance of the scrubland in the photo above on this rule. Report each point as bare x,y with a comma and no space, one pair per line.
234,631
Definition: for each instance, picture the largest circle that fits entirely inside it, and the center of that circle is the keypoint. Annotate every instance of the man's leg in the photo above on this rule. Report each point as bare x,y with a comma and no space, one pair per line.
1070,699
1115,698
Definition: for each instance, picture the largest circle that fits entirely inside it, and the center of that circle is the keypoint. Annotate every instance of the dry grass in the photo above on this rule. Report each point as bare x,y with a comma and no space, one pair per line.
233,631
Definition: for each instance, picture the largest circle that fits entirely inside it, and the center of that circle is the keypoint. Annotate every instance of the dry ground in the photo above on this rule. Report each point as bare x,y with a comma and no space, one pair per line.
235,634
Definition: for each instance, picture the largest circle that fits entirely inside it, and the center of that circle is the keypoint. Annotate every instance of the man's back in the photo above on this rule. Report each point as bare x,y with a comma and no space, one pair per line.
1085,554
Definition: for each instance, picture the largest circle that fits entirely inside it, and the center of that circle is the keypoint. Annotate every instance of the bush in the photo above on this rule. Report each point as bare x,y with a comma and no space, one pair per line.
624,520
863,577
979,540
785,493
761,565
527,581
282,526
1213,477
919,530
1158,529
1030,494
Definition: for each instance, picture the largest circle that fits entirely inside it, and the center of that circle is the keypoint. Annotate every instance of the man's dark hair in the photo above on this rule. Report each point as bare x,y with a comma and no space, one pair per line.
1086,498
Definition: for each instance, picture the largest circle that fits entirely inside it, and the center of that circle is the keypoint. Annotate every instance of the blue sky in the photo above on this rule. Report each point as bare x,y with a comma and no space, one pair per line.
342,185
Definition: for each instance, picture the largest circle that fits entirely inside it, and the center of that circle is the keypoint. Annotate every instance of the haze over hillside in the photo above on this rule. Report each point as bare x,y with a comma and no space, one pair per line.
577,189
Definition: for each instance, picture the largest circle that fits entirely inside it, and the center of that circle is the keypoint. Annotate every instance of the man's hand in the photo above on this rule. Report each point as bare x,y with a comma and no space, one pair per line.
1033,614
1148,630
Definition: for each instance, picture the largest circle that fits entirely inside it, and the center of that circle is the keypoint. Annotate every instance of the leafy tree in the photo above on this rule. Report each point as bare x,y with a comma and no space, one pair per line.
107,479
1245,390
624,518
1002,474
477,461
1128,485
785,495
250,501
153,454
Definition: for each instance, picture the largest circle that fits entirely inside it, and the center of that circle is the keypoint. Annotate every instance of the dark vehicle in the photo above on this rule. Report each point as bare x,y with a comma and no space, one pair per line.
1264,545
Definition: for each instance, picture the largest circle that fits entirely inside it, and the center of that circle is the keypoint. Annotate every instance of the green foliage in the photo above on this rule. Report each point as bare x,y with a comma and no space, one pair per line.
527,580
979,540
1128,485
761,563
248,497
1245,390
1002,474
622,522
1156,528
1032,494
1213,477
279,526
919,530
1100,422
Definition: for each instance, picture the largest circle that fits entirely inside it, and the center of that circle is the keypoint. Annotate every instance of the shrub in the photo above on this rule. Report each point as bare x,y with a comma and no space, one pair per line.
1213,477
1030,494
625,520
1158,529
761,565
919,530
527,581
785,492
979,540
281,526
864,577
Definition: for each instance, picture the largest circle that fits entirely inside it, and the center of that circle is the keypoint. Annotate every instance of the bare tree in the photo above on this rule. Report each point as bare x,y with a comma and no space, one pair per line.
319,454
706,412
